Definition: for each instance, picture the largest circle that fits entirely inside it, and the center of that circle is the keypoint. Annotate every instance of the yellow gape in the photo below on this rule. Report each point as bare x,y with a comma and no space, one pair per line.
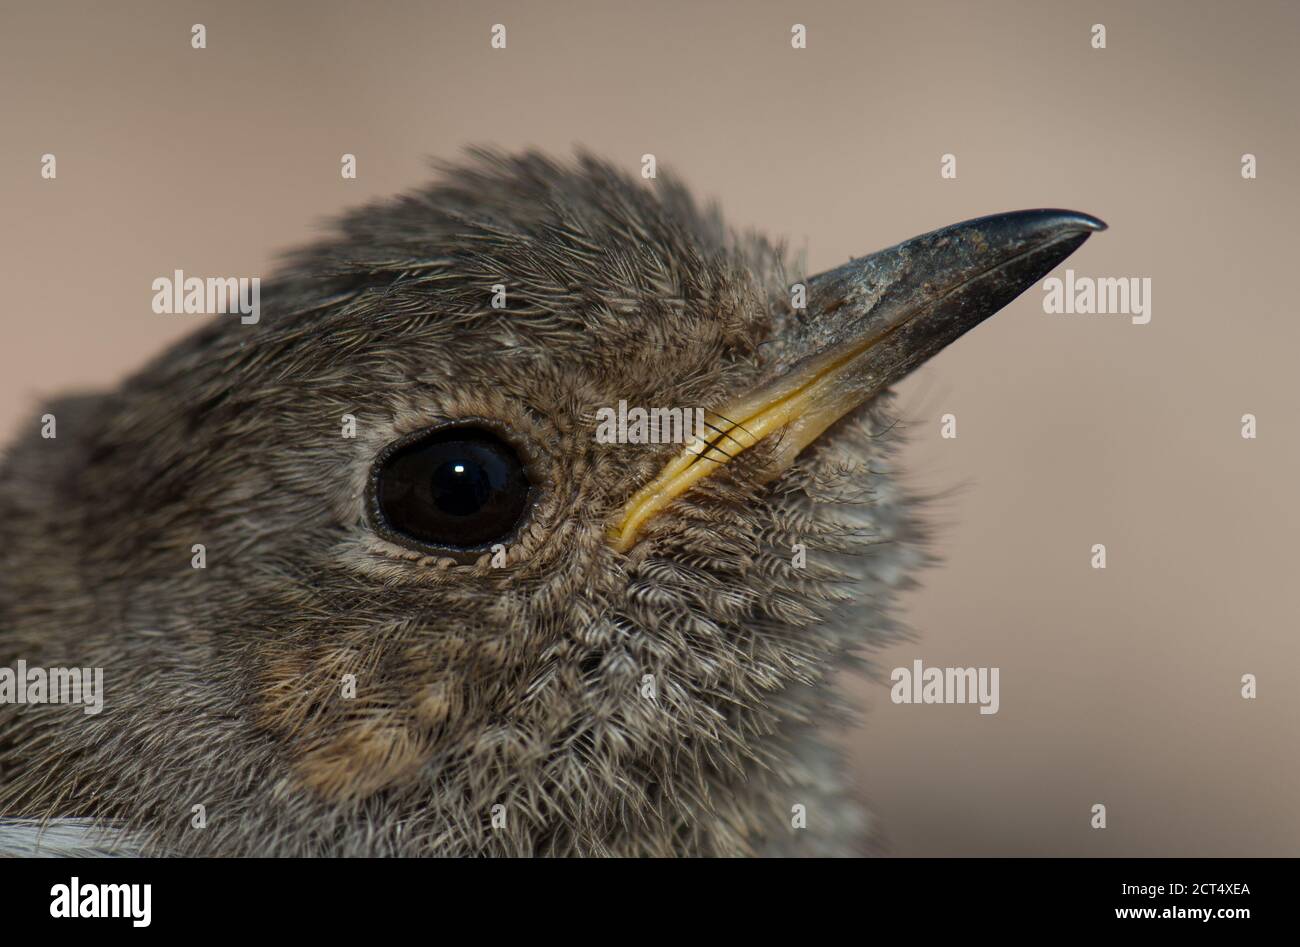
803,403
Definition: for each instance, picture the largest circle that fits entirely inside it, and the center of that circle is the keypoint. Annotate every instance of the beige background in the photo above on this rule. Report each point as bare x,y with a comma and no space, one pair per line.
1118,686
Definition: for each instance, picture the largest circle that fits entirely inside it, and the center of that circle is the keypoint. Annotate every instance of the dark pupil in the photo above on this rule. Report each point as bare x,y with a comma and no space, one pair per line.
458,487
462,486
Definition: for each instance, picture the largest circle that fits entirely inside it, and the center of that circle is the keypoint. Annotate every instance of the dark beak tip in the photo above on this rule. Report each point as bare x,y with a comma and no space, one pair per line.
1066,220
1013,232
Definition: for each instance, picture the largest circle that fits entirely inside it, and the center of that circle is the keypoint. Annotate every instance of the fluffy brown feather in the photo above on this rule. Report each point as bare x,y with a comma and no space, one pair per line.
477,686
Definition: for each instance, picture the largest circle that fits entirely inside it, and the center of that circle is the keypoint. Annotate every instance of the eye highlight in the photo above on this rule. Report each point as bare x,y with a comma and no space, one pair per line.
455,489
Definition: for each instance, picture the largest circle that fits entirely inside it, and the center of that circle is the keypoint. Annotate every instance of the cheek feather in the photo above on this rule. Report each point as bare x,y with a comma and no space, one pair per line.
381,749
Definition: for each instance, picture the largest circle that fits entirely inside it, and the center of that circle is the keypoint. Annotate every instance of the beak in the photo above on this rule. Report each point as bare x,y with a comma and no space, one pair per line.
870,322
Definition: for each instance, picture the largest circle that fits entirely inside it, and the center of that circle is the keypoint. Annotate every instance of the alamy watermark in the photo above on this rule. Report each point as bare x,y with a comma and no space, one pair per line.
624,425
1125,295
922,685
179,293
75,899
38,685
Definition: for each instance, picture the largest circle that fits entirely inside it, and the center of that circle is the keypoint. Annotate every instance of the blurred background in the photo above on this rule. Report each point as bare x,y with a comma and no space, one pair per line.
1119,686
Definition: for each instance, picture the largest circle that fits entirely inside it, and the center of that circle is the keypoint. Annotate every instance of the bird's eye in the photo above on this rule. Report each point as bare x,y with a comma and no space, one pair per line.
458,489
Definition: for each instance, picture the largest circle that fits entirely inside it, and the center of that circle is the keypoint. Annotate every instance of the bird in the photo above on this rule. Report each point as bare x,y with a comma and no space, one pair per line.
437,616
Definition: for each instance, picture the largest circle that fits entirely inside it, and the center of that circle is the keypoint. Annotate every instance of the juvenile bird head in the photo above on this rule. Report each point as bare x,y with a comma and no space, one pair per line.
465,623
